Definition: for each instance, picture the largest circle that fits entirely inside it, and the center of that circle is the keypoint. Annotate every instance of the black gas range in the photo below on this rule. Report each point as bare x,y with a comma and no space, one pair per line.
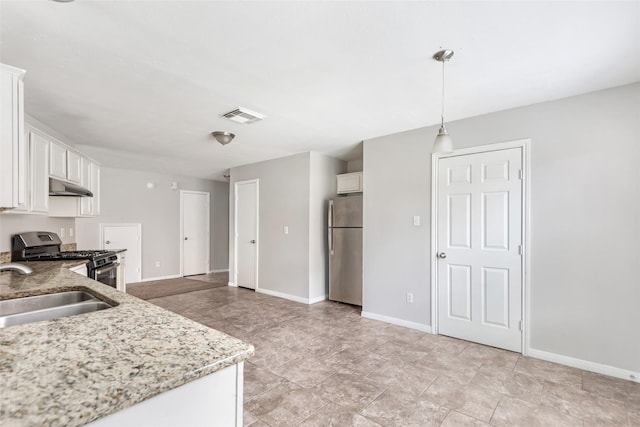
102,265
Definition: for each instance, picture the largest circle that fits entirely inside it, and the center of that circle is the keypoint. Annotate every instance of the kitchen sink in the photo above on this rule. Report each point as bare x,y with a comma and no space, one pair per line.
18,311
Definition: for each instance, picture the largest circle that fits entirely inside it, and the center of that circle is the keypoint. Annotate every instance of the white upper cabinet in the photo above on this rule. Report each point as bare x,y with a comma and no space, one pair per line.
39,173
73,167
58,161
65,164
12,144
349,183
90,206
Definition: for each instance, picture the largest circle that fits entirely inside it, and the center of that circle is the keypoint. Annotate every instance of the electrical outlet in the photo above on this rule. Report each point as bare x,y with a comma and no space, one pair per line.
409,297
71,232
62,232
285,229
157,263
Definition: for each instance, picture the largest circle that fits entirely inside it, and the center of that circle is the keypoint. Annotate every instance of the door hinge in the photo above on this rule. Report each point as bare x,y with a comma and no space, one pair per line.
520,325
520,174
520,249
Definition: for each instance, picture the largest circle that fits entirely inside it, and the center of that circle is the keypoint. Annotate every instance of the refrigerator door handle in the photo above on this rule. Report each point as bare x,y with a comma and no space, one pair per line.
330,241
330,215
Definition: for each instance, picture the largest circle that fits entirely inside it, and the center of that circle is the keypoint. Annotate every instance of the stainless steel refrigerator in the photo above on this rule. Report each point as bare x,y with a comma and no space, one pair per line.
345,249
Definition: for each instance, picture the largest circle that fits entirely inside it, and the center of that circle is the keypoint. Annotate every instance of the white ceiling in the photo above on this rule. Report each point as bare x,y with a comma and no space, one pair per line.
141,84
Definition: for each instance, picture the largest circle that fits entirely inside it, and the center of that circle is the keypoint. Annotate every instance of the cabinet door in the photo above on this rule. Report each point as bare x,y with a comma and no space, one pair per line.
86,202
58,161
23,178
74,167
95,189
349,183
12,143
39,165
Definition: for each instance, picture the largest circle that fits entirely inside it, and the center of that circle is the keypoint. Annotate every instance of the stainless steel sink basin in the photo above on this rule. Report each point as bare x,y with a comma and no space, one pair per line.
49,306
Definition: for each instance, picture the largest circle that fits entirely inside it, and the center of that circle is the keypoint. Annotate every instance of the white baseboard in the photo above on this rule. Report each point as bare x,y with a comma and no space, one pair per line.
151,279
586,365
219,271
232,284
283,295
318,299
395,321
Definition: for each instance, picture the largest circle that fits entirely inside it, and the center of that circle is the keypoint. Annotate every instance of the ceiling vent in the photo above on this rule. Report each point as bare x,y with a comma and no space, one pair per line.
242,115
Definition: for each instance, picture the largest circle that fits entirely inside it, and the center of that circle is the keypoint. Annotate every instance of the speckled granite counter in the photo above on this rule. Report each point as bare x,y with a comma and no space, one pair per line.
72,370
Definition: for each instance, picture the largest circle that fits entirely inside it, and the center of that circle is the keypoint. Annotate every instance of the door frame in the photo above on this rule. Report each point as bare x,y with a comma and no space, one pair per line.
235,229
137,225
208,231
524,145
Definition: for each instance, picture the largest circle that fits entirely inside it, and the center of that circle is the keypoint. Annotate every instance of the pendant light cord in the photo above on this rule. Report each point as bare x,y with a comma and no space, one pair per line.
442,111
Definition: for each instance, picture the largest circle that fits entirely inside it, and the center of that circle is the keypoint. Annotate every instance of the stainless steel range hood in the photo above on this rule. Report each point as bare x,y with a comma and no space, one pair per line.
64,188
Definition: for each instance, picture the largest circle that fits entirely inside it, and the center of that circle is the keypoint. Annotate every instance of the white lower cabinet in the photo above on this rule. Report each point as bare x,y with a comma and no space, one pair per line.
81,270
214,400
121,282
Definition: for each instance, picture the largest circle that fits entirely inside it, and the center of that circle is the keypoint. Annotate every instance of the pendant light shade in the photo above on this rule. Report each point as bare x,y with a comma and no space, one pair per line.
443,142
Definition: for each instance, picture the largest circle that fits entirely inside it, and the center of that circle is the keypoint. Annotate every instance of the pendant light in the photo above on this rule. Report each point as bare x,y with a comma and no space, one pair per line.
443,142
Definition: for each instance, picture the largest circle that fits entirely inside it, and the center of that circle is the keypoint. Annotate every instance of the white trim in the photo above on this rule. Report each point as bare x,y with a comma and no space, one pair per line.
152,279
138,225
218,271
235,228
181,245
239,394
232,284
524,145
318,299
284,295
395,321
586,365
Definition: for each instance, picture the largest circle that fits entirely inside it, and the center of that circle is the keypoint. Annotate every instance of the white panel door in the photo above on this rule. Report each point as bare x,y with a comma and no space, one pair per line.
195,233
479,257
246,234
125,236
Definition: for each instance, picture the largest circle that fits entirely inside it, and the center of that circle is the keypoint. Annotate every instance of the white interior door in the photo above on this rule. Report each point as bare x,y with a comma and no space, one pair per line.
129,237
246,242
195,233
479,247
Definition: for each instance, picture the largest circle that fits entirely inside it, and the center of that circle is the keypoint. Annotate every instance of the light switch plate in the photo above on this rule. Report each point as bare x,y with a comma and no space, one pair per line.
416,220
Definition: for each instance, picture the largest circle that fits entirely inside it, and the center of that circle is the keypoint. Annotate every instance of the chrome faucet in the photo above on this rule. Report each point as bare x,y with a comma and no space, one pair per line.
14,266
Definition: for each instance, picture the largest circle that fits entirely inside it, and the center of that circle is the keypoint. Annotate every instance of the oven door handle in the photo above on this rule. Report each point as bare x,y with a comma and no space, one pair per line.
111,266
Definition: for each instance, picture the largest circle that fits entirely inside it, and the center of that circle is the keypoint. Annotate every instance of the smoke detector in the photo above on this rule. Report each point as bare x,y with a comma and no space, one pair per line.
242,115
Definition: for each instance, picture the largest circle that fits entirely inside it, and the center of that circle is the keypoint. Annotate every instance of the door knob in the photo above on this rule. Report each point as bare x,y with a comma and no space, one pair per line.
442,255
108,242
186,238
253,241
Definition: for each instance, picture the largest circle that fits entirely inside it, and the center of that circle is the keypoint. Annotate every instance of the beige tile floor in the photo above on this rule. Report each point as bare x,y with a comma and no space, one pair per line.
324,365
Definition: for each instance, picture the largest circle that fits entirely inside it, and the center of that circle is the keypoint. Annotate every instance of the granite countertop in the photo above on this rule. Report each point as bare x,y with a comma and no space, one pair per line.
73,370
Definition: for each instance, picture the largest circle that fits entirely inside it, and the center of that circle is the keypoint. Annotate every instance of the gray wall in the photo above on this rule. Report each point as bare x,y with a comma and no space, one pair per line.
293,192
323,171
283,260
11,224
125,198
584,216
